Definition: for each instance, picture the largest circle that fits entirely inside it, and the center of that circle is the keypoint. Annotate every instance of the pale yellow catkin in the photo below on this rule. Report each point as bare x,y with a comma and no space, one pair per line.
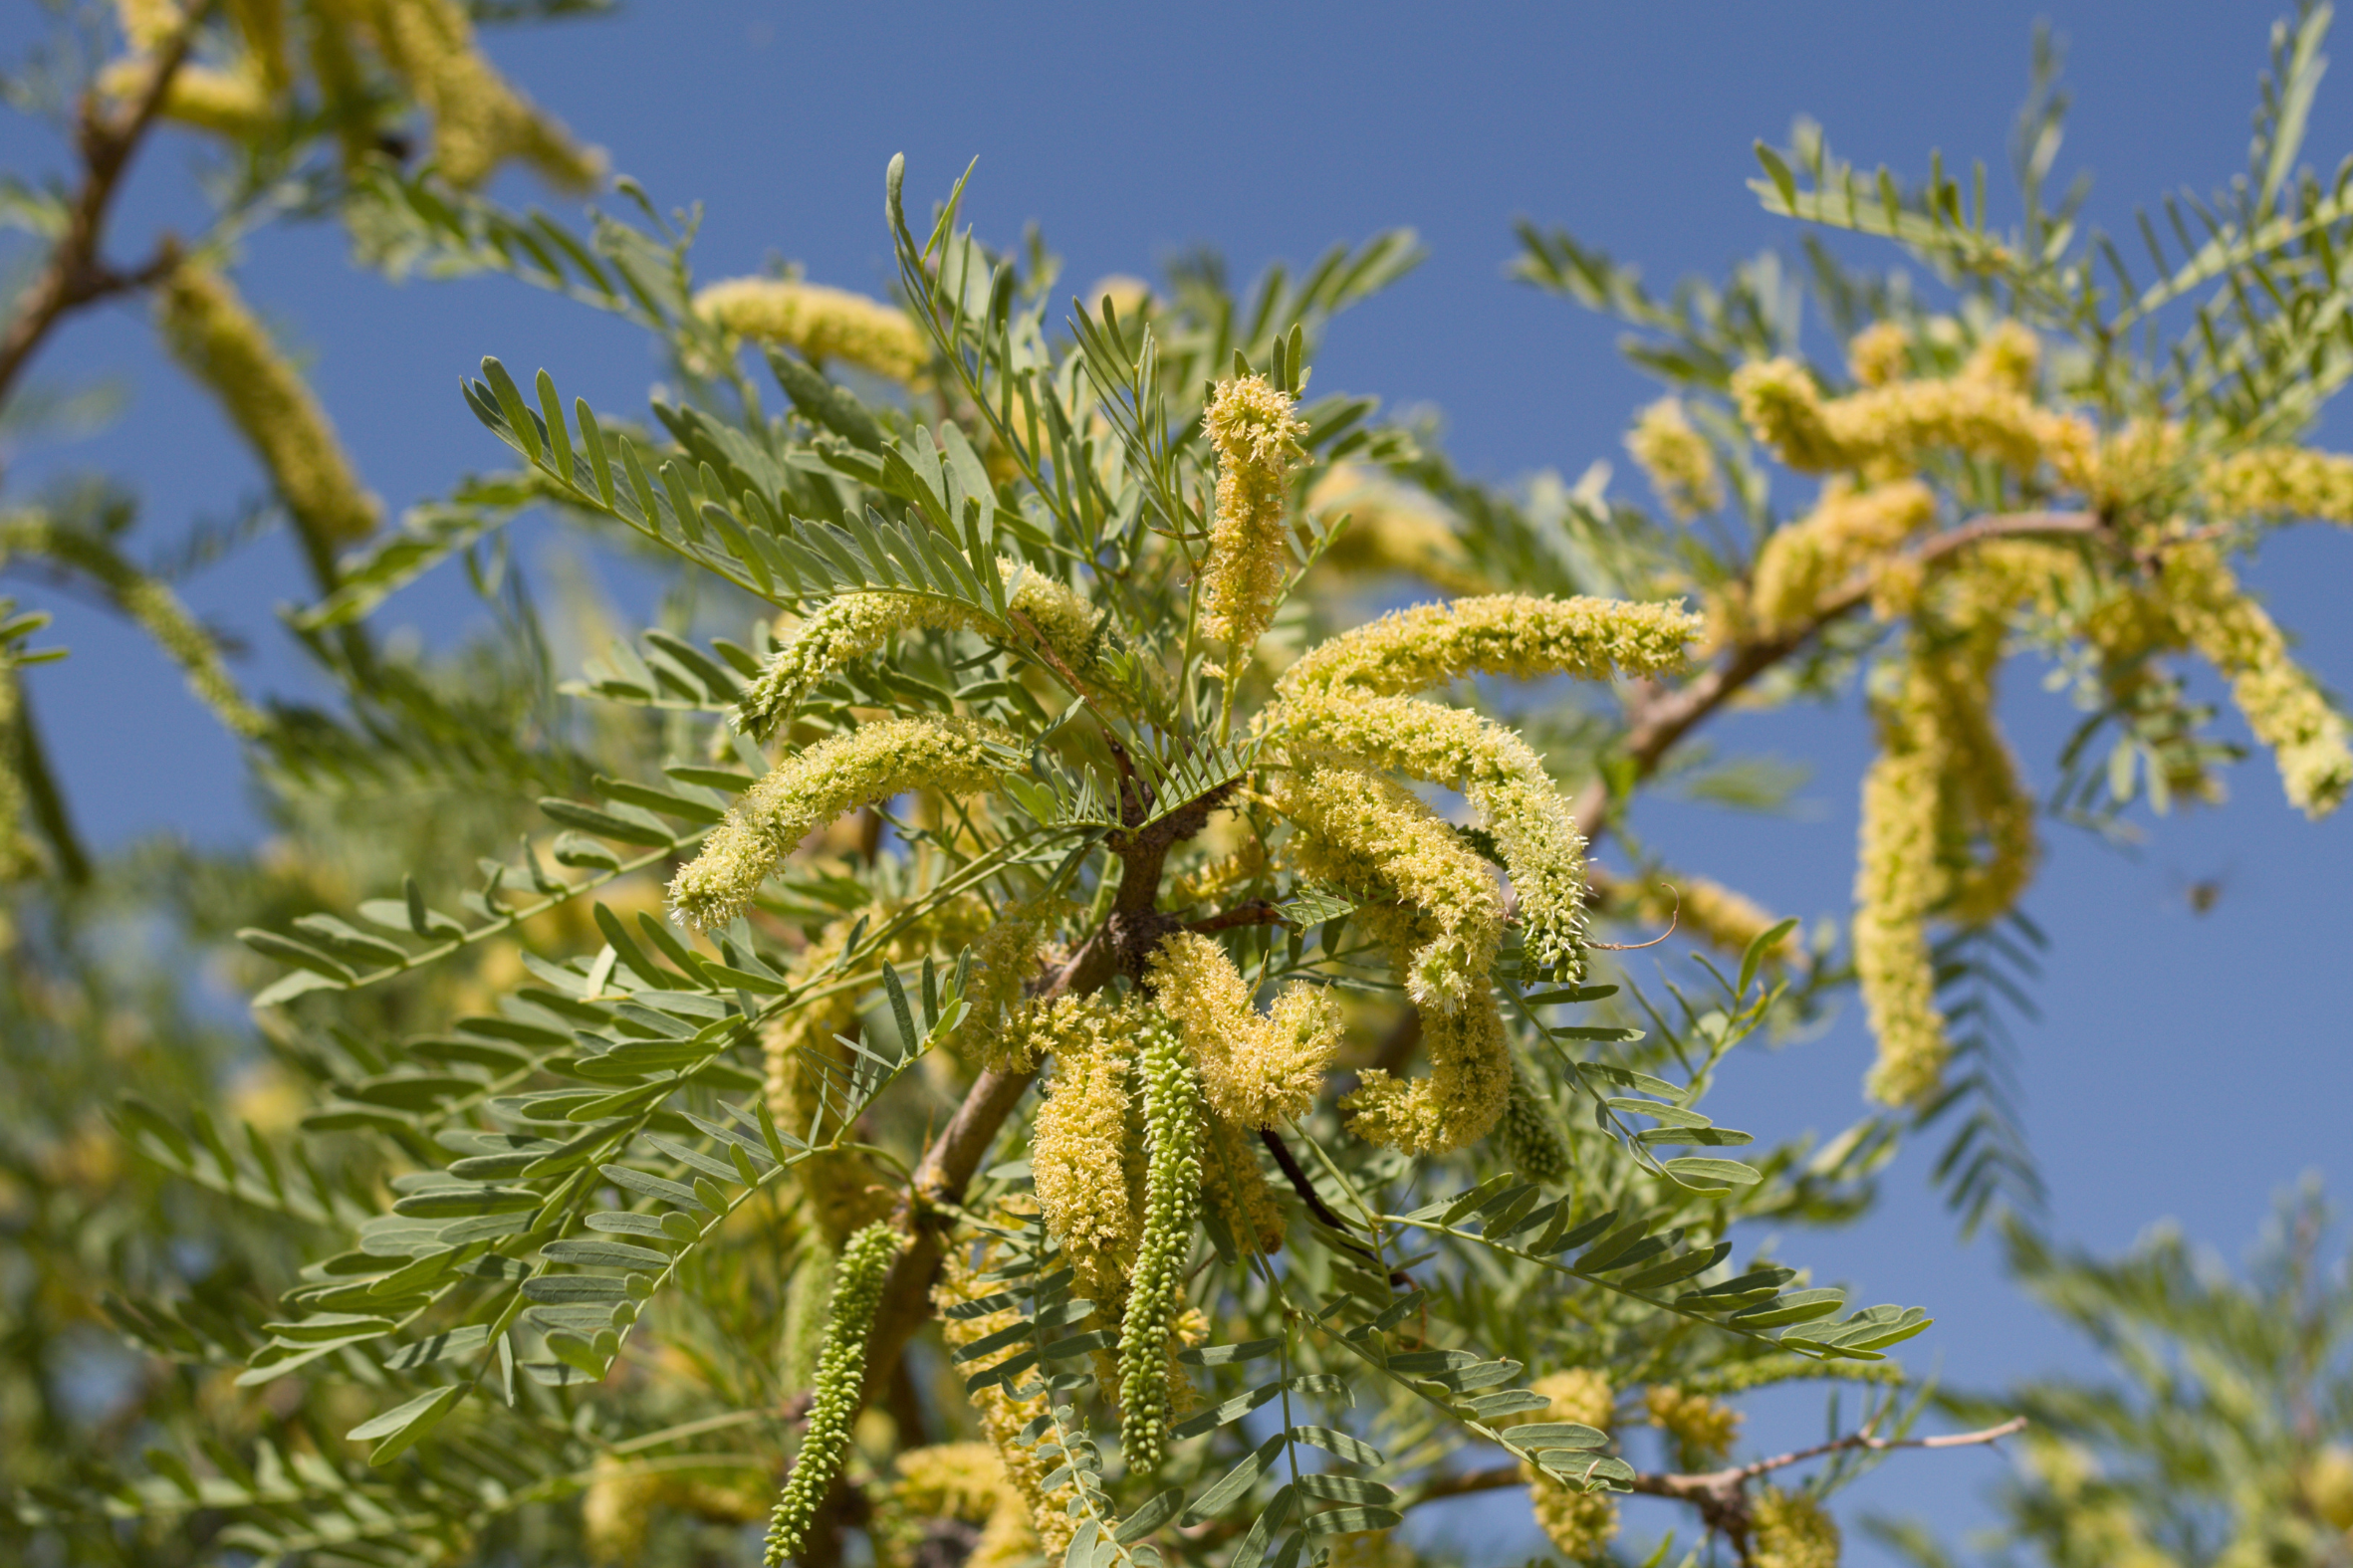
1391,529
1005,1419
2280,482
1579,1524
157,610
1881,352
1002,962
20,857
963,1482
1897,884
803,792
855,626
150,23
216,339
1234,1187
823,324
1676,459
2281,703
1703,1430
1789,1529
1256,432
1086,1160
1848,532
1254,1071
1888,430
478,119
234,102
1516,637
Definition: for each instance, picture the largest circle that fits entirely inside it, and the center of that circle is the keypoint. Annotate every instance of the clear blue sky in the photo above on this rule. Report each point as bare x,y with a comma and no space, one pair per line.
2186,1066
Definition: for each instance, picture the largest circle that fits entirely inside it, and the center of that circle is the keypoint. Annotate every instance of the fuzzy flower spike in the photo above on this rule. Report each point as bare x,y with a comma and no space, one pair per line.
1257,432
1256,1071
805,793
1344,701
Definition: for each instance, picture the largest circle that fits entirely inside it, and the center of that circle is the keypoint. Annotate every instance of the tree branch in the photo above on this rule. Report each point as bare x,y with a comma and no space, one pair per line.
1664,717
75,274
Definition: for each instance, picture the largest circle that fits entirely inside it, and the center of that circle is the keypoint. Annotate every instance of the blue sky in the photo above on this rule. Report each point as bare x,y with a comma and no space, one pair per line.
2185,1066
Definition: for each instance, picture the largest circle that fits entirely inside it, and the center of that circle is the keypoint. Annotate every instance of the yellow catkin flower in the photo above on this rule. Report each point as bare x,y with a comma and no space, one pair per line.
2281,702
1788,1529
1987,822
1678,462
2008,355
836,776
822,324
1256,432
842,1188
1379,844
963,1482
1003,1418
1086,1161
1881,352
262,24
616,1510
1254,1071
1233,1188
234,102
157,610
1891,427
1848,532
479,120
2327,1485
1391,529
1003,963
1897,883
217,340
150,23
1496,770
854,625
2282,481
1513,635
1579,1524
1703,1428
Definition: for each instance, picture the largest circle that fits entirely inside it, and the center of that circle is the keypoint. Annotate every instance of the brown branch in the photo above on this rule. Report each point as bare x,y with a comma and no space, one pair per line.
1663,717
1720,1495
77,275
1257,912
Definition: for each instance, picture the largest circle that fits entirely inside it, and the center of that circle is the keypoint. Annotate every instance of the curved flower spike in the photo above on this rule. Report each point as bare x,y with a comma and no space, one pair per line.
841,1378
1256,431
1256,1071
856,625
1086,1170
1847,531
802,794
1979,413
2282,480
821,324
1515,635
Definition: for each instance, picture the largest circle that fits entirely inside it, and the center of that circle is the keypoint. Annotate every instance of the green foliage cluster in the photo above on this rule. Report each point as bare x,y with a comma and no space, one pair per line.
538,1223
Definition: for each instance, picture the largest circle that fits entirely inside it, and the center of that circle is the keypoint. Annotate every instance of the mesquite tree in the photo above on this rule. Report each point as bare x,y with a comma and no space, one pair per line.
1045,1009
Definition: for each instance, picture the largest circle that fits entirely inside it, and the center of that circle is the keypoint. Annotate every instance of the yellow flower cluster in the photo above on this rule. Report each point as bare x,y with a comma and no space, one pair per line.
803,792
1675,459
1256,432
822,324
1788,1529
2282,705
854,625
1345,701
1002,962
1254,1071
20,857
616,1508
963,1482
235,101
1579,1524
1435,906
1391,529
154,607
1701,1429
479,120
2282,480
1881,352
1005,1420
1086,1163
1234,1187
217,340
1885,430
1513,635
1849,530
